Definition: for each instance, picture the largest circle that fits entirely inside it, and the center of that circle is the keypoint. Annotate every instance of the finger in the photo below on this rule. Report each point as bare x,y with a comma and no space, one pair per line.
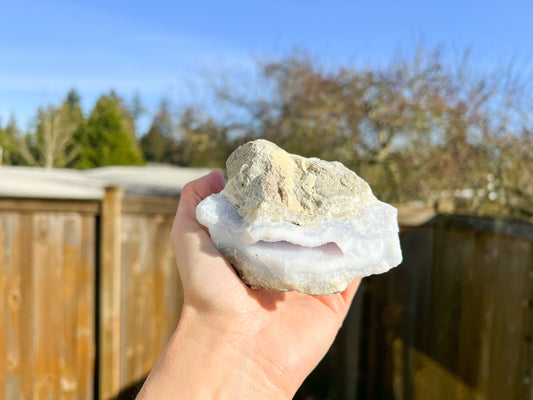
206,185
185,221
197,258
194,192
191,195
188,236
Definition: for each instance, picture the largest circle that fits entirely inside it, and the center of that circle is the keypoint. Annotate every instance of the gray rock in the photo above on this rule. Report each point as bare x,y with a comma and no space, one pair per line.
266,183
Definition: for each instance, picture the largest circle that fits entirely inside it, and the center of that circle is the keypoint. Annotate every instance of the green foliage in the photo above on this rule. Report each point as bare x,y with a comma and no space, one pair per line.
73,99
9,136
160,144
74,114
107,138
204,143
136,109
156,146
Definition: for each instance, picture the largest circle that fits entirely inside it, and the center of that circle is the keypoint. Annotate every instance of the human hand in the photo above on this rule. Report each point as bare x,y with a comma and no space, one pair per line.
264,342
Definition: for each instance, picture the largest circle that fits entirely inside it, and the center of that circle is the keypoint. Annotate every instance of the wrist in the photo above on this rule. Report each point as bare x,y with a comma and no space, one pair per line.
208,359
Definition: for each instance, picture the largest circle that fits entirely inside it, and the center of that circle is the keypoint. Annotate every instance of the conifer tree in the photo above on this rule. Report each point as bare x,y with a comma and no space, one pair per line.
108,138
159,143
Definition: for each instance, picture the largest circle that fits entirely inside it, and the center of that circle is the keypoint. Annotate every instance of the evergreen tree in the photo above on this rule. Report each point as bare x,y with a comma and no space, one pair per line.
159,143
73,99
74,114
4,143
9,138
136,109
108,138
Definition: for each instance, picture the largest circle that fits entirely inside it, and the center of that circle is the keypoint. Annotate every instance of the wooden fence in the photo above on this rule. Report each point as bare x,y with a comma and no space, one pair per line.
47,313
89,292
90,295
454,321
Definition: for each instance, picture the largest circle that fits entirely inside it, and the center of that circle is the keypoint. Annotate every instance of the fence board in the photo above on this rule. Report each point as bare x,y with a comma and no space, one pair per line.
12,302
85,293
417,266
445,309
27,292
151,297
71,249
110,292
4,250
510,291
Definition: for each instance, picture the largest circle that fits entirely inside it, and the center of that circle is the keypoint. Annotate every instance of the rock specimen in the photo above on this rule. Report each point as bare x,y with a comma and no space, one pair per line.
287,222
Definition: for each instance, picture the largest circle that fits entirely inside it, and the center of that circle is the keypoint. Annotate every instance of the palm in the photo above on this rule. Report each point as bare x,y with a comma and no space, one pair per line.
275,321
298,334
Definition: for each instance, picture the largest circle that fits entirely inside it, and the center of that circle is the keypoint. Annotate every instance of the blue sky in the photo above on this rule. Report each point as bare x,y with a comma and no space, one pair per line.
165,48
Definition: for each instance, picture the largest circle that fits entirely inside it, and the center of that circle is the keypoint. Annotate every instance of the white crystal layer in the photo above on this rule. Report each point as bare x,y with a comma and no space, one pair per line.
317,259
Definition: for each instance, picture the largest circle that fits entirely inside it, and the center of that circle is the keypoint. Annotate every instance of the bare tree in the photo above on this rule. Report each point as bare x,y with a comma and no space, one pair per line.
50,145
425,127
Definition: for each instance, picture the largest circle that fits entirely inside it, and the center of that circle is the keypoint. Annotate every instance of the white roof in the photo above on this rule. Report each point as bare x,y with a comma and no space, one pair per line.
151,180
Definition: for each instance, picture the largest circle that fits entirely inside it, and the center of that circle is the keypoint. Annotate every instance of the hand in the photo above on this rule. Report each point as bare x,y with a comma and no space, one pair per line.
263,343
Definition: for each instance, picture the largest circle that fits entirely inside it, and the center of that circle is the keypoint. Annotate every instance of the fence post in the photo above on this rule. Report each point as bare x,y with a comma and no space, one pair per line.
109,292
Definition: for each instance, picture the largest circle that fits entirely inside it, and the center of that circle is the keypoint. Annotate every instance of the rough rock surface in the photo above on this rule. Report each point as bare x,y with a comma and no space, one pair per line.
268,184
287,222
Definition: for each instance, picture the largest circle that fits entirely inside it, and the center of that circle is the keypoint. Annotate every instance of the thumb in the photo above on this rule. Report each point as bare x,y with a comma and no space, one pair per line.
197,257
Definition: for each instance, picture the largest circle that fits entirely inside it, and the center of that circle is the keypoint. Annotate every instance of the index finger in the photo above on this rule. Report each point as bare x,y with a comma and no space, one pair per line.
194,192
191,195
